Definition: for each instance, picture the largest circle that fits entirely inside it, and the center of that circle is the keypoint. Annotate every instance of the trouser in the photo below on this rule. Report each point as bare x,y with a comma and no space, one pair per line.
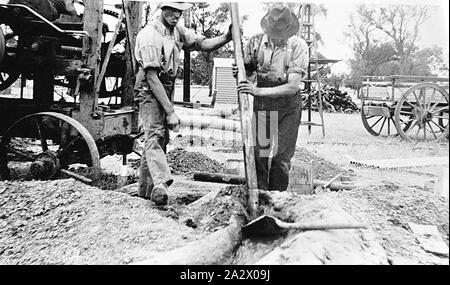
282,145
154,168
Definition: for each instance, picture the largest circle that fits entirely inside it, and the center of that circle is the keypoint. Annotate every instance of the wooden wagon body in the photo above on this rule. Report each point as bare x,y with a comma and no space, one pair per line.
414,107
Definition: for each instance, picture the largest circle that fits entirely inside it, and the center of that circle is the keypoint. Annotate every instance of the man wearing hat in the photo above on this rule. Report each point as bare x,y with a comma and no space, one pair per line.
157,50
277,60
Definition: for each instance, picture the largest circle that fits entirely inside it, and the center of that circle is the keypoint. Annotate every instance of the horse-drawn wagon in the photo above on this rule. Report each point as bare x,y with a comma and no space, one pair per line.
414,107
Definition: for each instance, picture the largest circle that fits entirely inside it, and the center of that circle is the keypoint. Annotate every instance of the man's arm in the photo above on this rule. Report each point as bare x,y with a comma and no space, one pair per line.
288,89
158,90
215,43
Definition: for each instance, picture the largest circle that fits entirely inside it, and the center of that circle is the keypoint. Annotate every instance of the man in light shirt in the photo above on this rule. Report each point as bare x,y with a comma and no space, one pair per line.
276,61
158,47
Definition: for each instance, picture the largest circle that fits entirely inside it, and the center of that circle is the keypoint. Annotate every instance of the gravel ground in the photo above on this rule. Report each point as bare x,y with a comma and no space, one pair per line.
322,169
388,208
67,222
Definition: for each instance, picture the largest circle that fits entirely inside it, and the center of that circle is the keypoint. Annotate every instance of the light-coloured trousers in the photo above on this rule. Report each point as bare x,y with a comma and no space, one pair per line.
154,168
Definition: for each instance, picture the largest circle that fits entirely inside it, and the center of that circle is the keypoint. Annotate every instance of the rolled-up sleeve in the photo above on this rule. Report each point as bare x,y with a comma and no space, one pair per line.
300,57
191,40
148,48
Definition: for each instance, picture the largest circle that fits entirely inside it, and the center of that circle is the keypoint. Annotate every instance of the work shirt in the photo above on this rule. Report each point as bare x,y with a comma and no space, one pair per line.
272,65
159,47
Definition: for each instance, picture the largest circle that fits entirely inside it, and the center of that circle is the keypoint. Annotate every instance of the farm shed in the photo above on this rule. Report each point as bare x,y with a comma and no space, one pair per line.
224,84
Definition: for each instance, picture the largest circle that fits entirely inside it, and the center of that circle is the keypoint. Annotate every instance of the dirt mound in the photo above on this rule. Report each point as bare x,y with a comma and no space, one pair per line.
67,222
105,181
215,214
182,162
351,246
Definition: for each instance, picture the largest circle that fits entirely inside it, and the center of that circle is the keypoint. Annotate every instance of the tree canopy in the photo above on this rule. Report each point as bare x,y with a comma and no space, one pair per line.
210,20
384,41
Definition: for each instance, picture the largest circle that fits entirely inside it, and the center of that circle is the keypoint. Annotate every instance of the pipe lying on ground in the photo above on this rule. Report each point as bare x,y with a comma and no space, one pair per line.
219,178
214,249
201,122
334,186
239,180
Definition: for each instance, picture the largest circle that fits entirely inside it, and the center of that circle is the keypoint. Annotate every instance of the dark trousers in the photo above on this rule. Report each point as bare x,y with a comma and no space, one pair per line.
287,121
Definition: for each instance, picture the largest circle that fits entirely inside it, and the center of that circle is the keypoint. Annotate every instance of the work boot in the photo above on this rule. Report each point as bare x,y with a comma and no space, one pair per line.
159,194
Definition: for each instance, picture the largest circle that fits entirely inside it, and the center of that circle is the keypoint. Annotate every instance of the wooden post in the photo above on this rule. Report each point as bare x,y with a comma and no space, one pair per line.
308,73
246,117
133,17
93,24
187,63
43,83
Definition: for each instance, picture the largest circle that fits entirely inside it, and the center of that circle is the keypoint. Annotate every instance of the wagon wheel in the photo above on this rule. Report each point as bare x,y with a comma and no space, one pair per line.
2,46
441,121
379,122
51,142
425,107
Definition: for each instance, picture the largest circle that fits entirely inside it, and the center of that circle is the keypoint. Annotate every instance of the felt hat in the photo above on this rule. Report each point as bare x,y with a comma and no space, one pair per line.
176,5
280,23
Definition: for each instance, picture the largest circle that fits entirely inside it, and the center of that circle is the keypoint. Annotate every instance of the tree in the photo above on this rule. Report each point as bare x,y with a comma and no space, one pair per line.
383,40
375,60
210,20
400,23
428,62
370,52
201,68
335,80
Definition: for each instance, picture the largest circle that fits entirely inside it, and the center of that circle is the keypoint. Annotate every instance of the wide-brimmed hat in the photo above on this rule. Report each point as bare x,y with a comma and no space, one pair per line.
176,5
280,23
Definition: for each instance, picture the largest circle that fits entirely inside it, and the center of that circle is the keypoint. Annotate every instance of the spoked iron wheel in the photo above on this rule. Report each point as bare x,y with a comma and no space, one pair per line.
50,142
441,121
426,107
2,46
378,119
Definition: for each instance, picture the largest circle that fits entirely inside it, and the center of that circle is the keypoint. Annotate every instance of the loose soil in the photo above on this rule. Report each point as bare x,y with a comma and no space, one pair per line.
67,222
182,162
322,169
388,208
